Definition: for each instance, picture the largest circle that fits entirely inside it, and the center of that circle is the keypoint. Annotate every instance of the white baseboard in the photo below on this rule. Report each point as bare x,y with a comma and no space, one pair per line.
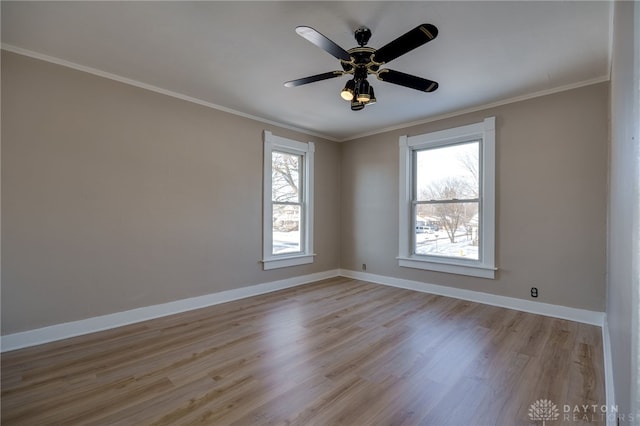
90,325
546,309
104,322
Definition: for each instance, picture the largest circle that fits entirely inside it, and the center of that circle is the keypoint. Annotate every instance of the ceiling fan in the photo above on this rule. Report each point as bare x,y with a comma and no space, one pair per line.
362,61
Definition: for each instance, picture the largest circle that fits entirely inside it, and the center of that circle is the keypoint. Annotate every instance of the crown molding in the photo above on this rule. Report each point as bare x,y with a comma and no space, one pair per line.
136,83
482,107
139,84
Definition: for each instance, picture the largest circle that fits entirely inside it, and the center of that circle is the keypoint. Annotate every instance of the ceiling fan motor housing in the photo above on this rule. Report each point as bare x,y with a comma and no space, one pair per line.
363,34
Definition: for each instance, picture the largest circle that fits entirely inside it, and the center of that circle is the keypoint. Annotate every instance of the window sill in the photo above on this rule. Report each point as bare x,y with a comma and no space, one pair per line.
480,271
286,261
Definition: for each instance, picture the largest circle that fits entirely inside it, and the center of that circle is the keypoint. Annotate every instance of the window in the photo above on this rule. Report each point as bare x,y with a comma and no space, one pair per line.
447,200
288,202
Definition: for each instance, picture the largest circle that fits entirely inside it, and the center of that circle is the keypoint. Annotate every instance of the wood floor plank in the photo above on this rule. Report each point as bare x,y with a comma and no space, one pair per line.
338,351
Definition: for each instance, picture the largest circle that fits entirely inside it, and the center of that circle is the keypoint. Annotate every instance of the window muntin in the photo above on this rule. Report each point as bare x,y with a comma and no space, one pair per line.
287,202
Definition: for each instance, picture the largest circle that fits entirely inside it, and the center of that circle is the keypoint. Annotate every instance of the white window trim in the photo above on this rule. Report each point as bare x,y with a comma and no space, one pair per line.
485,267
306,150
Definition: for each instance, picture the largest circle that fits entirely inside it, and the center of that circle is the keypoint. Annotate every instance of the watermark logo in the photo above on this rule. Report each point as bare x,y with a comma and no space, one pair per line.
543,409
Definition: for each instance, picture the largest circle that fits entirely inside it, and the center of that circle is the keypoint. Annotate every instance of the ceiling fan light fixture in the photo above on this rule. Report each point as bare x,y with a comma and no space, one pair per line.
363,91
356,106
372,96
348,92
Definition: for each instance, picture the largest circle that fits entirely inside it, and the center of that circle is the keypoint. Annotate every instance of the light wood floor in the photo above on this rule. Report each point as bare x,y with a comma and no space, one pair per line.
339,351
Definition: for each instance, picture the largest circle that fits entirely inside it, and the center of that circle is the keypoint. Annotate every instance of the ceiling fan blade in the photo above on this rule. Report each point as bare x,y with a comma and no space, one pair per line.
313,78
407,80
323,43
405,43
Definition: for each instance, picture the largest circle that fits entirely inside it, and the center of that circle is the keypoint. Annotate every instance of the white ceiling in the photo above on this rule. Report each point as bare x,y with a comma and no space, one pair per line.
236,55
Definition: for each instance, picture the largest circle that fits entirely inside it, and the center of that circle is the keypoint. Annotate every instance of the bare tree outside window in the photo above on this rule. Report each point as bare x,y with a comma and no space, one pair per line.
285,176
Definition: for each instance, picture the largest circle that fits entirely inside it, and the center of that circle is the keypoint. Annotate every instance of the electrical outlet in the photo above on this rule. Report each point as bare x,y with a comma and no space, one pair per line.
364,266
534,291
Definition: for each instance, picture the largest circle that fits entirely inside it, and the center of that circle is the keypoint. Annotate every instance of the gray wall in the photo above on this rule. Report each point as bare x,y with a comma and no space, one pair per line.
114,197
624,196
551,173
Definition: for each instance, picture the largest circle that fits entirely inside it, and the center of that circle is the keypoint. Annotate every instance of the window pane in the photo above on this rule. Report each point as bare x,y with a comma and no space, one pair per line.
285,177
447,229
286,229
447,173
